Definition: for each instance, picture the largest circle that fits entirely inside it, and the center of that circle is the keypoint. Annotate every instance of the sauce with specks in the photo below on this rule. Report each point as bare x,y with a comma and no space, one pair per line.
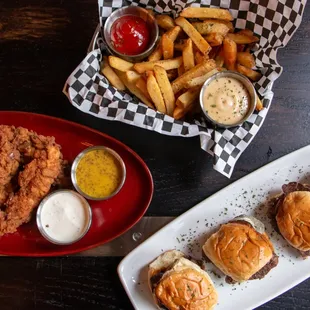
98,174
226,100
64,217
130,35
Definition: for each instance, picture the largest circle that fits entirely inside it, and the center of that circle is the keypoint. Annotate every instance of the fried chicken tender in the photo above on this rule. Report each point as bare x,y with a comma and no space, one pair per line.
21,192
35,182
27,142
9,161
9,156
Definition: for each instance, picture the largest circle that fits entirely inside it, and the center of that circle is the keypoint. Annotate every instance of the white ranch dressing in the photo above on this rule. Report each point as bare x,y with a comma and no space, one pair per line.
226,100
64,217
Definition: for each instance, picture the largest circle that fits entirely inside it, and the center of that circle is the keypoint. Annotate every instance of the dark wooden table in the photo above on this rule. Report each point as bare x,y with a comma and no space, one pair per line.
41,42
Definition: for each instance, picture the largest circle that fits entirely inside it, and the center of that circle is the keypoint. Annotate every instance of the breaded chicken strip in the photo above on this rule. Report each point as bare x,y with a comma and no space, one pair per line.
35,182
9,161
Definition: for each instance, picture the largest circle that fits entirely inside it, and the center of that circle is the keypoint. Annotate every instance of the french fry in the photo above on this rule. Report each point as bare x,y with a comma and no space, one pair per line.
155,93
206,13
181,70
247,32
230,53
240,38
209,26
259,104
120,64
112,77
178,46
225,22
132,76
167,41
200,69
222,69
165,88
141,84
246,59
134,89
179,112
188,98
251,74
165,21
174,33
198,81
214,39
188,55
199,41
199,57
167,47
166,64
219,60
157,53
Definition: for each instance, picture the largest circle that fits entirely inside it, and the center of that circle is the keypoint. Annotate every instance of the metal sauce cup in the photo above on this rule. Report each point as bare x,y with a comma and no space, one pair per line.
136,11
44,232
81,155
245,81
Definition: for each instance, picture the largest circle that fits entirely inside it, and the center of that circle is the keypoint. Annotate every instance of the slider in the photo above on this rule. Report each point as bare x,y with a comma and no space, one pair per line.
292,213
178,283
241,250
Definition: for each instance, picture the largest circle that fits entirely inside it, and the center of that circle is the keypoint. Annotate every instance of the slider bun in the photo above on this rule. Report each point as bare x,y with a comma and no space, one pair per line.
186,286
183,285
160,266
163,261
238,250
293,219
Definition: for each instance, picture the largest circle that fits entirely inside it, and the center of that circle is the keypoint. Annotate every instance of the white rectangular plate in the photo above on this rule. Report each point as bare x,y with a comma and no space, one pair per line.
188,232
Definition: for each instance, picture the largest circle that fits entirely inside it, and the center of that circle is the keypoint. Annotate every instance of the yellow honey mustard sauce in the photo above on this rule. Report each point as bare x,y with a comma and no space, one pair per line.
226,100
98,174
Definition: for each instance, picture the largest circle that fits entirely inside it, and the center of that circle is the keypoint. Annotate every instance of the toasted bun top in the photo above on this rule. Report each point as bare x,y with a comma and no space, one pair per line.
238,250
186,286
293,219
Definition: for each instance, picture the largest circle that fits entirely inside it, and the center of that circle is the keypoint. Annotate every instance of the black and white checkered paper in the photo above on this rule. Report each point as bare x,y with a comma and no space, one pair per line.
273,21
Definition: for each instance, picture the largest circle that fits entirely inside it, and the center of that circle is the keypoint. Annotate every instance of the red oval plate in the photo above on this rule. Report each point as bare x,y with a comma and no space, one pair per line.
111,218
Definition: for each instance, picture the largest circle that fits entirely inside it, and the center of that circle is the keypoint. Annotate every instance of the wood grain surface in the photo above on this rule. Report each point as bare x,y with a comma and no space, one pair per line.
41,42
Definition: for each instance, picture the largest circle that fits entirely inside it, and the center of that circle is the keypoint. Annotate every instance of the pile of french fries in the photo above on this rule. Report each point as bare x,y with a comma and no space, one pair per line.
194,46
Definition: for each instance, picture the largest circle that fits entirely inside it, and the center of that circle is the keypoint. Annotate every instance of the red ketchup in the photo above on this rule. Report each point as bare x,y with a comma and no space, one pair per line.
130,35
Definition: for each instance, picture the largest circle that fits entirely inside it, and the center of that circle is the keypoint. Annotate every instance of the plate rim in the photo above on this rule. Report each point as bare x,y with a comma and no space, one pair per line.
127,148
183,215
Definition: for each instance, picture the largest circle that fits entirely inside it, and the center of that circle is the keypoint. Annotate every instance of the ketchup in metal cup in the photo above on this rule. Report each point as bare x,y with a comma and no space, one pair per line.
130,35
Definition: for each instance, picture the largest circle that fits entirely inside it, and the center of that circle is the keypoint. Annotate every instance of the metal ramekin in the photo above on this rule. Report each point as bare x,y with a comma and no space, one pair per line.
43,231
245,81
80,156
137,11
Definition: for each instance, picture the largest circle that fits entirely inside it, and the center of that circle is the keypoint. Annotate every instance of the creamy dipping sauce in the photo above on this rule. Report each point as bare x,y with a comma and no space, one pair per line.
65,217
226,100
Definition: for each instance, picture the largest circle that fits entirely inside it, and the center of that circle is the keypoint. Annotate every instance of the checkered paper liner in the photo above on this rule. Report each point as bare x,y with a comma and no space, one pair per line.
273,21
